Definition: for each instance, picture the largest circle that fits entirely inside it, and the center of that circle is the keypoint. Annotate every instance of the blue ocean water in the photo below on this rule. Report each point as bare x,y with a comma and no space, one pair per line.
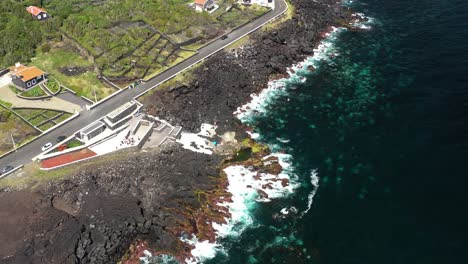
383,123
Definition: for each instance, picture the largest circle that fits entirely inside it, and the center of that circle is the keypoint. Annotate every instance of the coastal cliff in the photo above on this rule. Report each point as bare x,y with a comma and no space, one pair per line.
97,214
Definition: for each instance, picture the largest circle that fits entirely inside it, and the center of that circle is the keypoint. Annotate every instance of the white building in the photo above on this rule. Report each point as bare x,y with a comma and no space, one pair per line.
266,3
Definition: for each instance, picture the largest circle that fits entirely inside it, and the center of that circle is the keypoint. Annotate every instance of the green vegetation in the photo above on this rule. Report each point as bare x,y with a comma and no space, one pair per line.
243,155
130,48
33,176
286,16
36,91
13,126
254,146
7,104
51,114
20,35
182,55
39,119
58,62
29,113
240,14
239,43
74,143
62,118
53,85
122,40
46,126
14,89
43,119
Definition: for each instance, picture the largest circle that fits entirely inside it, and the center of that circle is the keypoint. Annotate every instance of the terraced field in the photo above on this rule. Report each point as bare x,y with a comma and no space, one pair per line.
121,40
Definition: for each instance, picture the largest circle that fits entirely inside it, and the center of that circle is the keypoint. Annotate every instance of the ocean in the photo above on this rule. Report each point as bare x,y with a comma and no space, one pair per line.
375,143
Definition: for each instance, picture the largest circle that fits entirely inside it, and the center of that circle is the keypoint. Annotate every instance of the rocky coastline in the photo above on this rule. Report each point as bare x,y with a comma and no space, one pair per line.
111,213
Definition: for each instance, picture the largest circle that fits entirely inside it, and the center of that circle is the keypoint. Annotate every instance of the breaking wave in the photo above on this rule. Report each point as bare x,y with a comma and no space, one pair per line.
249,188
314,180
277,88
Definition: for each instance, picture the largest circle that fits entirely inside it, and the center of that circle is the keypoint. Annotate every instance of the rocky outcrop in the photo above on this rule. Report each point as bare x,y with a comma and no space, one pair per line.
226,80
95,215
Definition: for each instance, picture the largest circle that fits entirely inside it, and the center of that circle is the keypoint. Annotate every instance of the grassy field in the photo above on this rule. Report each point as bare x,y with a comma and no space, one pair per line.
183,55
13,126
53,85
34,92
123,40
43,119
7,104
57,61
241,14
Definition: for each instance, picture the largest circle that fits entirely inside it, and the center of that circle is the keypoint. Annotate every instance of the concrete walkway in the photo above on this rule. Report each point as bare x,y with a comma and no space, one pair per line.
54,103
158,137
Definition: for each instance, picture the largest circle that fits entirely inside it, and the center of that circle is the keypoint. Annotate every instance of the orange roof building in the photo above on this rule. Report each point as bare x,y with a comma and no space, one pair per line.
202,5
26,77
37,12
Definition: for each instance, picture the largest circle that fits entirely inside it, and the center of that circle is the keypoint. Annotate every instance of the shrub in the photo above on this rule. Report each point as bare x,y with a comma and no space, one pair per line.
45,48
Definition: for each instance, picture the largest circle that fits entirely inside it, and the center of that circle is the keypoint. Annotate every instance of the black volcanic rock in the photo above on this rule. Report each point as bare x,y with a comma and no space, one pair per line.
226,80
94,216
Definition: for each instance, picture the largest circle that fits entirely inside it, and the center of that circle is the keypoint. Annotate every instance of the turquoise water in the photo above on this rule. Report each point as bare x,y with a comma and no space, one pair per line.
383,124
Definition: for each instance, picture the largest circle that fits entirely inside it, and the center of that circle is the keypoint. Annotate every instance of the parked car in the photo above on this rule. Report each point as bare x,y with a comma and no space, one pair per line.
224,37
47,146
61,138
6,169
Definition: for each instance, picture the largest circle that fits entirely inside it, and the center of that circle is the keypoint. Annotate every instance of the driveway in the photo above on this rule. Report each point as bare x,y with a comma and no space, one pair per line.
54,103
69,97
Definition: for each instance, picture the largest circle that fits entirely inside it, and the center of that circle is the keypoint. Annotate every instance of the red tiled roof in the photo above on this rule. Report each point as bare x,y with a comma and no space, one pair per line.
34,10
200,2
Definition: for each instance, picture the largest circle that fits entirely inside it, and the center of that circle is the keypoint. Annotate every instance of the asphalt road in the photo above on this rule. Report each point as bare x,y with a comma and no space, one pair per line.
25,154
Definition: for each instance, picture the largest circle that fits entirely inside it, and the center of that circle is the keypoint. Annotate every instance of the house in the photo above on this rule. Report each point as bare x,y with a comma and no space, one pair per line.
26,77
38,13
204,5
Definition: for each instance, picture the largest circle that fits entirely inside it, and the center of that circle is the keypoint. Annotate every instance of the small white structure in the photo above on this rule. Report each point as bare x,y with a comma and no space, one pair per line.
91,131
204,5
120,115
266,3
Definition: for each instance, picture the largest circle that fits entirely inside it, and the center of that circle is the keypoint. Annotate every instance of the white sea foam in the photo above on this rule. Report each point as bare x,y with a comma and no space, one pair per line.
202,251
247,186
199,142
314,180
258,104
149,258
282,140
364,25
253,135
146,259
